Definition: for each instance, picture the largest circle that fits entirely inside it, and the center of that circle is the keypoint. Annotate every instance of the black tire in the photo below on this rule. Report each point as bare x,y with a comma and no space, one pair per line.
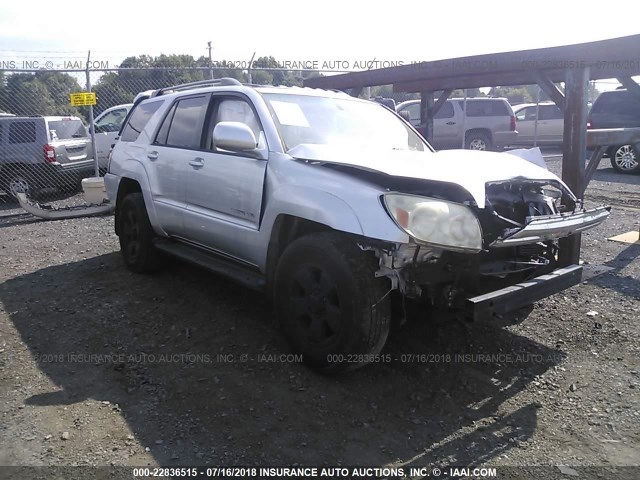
323,273
477,141
18,181
136,235
625,159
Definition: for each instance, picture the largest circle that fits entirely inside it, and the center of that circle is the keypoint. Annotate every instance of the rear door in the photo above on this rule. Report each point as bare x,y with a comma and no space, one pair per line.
69,138
176,145
224,189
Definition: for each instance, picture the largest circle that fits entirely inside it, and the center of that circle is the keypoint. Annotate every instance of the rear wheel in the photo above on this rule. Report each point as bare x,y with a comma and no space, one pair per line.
18,182
477,141
136,235
332,308
625,159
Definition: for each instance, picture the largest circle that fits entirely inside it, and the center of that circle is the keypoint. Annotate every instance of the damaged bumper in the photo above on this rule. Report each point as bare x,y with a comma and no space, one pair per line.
511,298
550,227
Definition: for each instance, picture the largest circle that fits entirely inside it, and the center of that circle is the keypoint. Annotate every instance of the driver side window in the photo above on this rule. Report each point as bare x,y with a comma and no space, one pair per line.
112,121
237,110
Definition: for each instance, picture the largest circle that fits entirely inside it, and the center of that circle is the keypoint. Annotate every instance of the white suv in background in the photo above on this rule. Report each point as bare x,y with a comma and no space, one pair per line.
107,126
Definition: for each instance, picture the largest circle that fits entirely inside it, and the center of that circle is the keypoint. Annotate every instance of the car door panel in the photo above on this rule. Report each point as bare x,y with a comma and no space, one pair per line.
224,189
167,159
447,127
551,124
165,168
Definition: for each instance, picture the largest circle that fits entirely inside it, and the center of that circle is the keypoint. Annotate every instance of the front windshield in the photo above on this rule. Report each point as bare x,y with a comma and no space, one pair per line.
340,122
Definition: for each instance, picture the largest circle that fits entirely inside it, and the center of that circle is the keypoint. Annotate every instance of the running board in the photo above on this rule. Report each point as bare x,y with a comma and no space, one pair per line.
243,275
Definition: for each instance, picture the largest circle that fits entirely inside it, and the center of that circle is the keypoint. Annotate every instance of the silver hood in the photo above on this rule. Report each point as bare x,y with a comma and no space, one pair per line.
467,168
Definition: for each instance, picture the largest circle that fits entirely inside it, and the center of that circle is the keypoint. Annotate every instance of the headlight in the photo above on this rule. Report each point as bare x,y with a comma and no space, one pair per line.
437,222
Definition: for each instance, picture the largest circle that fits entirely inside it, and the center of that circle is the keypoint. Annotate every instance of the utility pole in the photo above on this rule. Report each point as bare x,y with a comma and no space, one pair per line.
210,61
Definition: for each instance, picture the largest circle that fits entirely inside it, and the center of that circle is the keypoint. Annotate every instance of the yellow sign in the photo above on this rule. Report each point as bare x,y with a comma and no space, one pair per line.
82,99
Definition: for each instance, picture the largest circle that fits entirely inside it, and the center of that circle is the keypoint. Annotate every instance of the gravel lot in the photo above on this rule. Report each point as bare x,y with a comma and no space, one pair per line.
99,366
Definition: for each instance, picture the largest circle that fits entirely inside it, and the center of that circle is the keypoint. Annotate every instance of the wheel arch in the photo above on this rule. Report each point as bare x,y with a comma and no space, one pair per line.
484,131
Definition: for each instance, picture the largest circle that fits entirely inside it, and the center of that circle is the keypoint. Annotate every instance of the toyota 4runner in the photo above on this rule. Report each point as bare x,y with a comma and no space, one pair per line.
333,205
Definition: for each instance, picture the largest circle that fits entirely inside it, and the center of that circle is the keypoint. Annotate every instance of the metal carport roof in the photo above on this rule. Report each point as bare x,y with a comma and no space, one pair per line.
574,65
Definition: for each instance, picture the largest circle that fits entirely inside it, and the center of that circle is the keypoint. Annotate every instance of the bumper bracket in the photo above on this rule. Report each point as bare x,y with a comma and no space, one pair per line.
509,299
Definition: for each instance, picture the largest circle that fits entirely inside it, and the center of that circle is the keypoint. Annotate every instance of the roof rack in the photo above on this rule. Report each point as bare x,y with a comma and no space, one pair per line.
226,81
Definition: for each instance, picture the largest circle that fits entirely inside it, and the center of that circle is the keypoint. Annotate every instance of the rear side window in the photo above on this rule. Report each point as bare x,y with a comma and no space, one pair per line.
138,120
485,108
446,111
182,127
22,132
66,129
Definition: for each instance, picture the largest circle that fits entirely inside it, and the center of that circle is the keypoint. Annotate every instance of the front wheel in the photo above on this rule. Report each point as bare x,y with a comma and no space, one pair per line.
332,308
136,235
624,159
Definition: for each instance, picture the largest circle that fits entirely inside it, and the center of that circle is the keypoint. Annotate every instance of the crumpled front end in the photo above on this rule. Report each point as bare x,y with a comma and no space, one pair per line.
522,222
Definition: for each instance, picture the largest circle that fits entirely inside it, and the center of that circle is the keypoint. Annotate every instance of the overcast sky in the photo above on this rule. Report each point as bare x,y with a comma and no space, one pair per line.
347,31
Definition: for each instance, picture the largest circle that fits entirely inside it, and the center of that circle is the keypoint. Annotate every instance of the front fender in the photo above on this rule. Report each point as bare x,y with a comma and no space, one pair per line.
135,171
312,204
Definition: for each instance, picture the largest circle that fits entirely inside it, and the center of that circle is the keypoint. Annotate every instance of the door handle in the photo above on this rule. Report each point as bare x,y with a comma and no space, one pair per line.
152,155
197,162
451,123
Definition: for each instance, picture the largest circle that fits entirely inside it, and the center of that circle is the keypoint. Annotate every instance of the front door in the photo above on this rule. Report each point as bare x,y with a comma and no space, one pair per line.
224,189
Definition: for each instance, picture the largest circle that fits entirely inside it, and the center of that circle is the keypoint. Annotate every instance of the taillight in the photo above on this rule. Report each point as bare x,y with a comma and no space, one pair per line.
513,122
49,153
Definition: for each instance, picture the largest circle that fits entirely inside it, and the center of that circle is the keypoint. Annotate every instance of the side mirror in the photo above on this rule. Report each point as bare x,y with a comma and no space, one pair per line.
234,136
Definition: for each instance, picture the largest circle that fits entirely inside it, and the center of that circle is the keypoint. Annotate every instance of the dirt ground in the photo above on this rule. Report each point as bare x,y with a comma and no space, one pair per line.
99,366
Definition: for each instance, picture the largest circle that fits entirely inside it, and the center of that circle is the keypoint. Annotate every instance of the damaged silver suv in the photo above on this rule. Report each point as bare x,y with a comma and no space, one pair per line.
332,206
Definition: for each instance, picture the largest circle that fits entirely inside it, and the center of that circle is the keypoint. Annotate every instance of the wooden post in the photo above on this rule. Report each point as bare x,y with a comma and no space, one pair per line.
574,150
426,115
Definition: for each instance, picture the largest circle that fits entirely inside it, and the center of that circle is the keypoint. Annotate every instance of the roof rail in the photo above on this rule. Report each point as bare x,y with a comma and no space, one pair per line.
202,83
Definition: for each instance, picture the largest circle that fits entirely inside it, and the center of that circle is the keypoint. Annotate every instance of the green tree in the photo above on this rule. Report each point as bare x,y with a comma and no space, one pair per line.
40,93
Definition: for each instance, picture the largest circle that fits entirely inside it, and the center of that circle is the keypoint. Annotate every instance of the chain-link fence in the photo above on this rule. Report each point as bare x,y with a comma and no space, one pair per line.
45,142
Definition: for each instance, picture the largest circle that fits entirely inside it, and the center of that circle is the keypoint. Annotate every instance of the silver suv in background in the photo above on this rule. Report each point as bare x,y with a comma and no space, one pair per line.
332,206
43,152
489,123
